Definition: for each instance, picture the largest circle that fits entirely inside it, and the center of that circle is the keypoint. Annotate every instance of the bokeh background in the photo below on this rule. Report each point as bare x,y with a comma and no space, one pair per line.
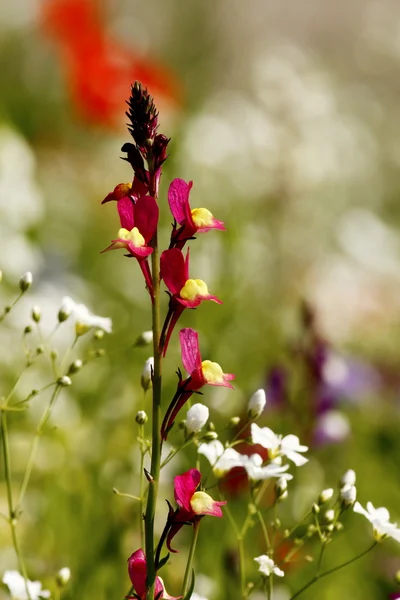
285,116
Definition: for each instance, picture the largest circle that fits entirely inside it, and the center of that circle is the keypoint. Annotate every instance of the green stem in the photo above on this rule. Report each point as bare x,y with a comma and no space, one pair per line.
188,571
330,571
11,511
141,489
35,444
156,421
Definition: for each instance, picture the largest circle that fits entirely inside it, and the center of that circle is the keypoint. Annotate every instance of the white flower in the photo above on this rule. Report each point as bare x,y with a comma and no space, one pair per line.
256,472
196,418
63,576
221,459
16,584
257,404
195,596
267,566
277,445
349,478
379,517
147,373
85,320
348,494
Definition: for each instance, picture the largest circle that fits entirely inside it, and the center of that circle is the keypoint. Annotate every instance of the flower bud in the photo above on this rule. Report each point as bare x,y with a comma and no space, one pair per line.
349,478
210,426
36,314
256,404
25,282
63,576
144,339
315,509
325,496
53,354
28,329
348,495
64,313
64,381
196,418
210,436
234,421
99,334
281,489
329,516
338,526
147,374
141,418
40,349
75,366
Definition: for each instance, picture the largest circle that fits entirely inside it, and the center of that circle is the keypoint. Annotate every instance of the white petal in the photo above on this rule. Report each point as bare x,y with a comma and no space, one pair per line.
211,451
292,442
298,459
264,436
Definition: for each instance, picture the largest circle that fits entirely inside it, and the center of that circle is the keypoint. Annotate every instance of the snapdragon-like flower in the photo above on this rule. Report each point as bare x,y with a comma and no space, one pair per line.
137,569
267,566
196,418
193,503
84,319
279,446
16,584
184,292
138,225
200,373
379,518
191,221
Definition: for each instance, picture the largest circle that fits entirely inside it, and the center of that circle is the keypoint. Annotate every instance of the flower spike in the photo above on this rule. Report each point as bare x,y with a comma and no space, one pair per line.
191,221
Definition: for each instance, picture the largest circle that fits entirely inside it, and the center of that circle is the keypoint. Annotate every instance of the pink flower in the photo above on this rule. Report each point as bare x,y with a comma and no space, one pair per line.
133,190
185,292
137,568
138,225
191,221
193,504
200,373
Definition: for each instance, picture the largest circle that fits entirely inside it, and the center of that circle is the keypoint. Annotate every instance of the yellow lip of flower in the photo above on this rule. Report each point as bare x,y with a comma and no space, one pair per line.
122,189
212,372
133,236
202,217
193,288
201,503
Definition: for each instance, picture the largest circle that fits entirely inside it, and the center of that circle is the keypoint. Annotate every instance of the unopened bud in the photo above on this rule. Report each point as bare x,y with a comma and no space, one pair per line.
210,426
75,366
28,329
63,576
53,354
98,334
40,349
282,497
325,496
64,381
147,374
315,509
36,314
25,282
196,418
311,529
141,418
338,526
348,495
210,436
64,313
280,488
349,478
330,527
234,421
256,404
144,339
329,516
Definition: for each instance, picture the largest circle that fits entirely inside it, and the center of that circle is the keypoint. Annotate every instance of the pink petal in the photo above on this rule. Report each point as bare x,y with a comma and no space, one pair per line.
139,252
137,569
215,225
138,188
225,383
215,510
125,209
185,486
146,217
173,270
191,359
178,199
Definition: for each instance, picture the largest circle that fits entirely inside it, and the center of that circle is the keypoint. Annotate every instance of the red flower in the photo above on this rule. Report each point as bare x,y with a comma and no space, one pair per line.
138,225
191,221
98,68
137,568
200,373
185,292
192,503
133,190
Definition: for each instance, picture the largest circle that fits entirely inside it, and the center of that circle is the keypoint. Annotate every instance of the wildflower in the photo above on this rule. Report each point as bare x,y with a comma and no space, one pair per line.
17,586
184,292
137,569
84,319
221,459
196,418
379,518
279,446
138,225
131,190
267,566
257,404
348,495
257,472
200,373
192,503
191,221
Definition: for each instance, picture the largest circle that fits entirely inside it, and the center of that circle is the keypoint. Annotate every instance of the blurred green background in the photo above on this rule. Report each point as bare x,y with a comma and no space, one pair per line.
285,116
